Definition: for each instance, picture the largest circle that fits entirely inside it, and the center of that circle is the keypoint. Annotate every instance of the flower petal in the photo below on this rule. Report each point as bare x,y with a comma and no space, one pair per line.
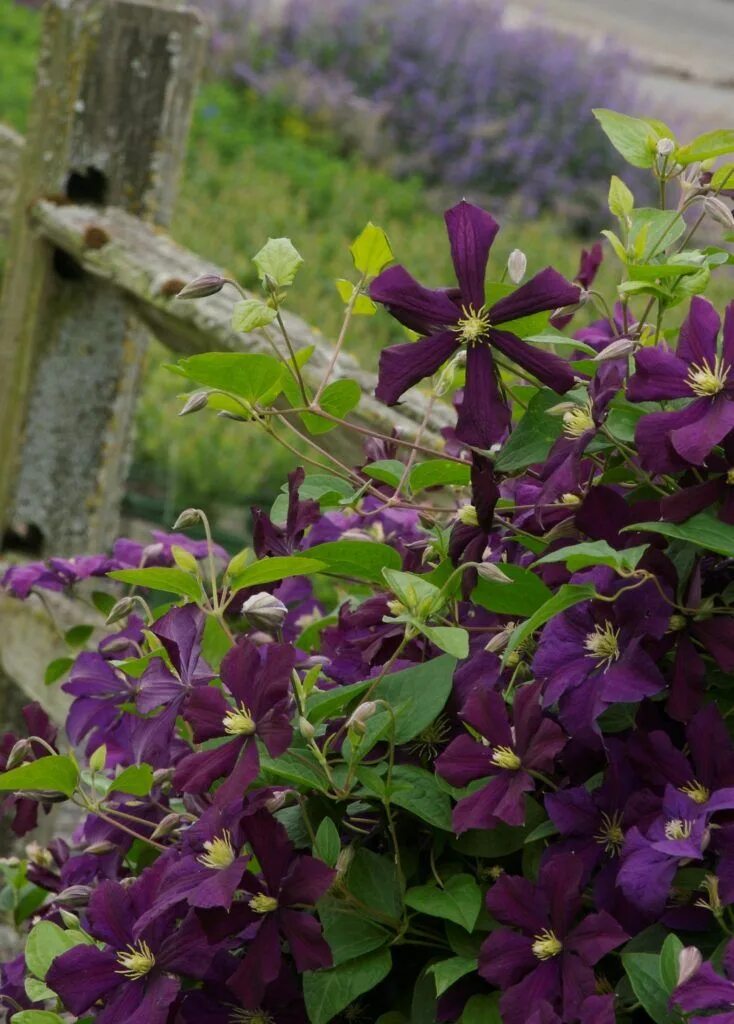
421,309
549,368
658,374
548,290
693,442
403,366
484,415
471,233
697,339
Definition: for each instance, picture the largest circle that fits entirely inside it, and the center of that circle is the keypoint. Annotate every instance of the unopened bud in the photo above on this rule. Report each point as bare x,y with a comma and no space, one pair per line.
200,287
166,826
665,147
499,641
189,517
570,499
689,961
359,717
225,414
443,381
264,611
305,728
276,801
120,610
492,573
18,754
196,400
676,622
105,846
344,861
517,264
161,776
70,920
74,896
615,350
115,646
39,855
718,210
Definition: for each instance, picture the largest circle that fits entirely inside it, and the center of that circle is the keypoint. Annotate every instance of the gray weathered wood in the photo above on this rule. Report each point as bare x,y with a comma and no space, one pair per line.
11,151
148,267
109,123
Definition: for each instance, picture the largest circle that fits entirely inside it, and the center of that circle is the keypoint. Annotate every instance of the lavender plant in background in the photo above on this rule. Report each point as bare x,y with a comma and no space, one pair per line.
446,86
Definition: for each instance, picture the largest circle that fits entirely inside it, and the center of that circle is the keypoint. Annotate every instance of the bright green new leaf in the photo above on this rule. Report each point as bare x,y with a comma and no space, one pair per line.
269,570
580,556
669,954
170,581
452,639
723,177
56,669
328,992
633,137
46,941
387,471
706,146
249,375
652,231
447,972
616,243
338,399
459,901
371,251
279,260
362,559
36,1017
439,473
137,780
482,1010
643,971
249,314
52,774
362,305
703,530
621,200
523,596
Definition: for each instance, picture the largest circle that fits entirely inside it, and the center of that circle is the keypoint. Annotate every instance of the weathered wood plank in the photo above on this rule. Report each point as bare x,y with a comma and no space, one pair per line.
11,151
147,266
109,122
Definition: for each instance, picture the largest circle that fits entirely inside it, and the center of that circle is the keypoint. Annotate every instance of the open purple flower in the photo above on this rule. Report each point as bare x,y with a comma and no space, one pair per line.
180,632
551,958
695,496
137,973
269,538
670,441
593,655
259,680
448,319
706,991
505,754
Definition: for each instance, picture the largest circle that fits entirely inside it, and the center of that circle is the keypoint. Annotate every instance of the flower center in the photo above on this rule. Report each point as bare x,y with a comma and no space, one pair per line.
730,475
219,852
603,644
467,515
677,828
570,499
696,791
137,961
239,722
473,325
505,757
610,835
263,904
250,1017
705,380
428,741
546,945
577,421
711,901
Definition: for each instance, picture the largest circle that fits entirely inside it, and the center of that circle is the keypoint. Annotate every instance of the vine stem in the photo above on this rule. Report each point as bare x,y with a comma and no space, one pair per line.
339,342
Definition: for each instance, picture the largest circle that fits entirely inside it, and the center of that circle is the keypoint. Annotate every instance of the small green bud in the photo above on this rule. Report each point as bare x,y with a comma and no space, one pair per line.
98,758
202,286
305,728
196,400
120,610
189,517
70,920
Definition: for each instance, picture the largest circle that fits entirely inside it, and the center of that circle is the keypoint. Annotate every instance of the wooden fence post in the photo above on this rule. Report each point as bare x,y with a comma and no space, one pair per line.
109,123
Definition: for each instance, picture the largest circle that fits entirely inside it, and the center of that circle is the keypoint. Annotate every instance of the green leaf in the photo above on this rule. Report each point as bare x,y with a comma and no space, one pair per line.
46,941
501,840
328,490
655,230
362,304
447,972
52,774
327,844
387,471
363,559
137,780
338,399
482,1010
599,552
349,933
371,251
298,768
643,971
704,530
459,901
621,200
565,597
532,438
452,640
616,243
170,581
56,669
77,636
416,790
706,146
37,991
523,596
439,473
669,962
249,314
328,992
249,375
269,570
279,260
373,879
633,137
657,271
723,177
36,1017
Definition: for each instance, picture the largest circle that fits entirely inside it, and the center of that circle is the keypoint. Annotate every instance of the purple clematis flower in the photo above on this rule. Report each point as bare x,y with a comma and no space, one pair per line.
593,655
448,319
24,812
671,441
470,533
180,632
550,959
708,991
271,539
137,974
718,489
259,680
504,753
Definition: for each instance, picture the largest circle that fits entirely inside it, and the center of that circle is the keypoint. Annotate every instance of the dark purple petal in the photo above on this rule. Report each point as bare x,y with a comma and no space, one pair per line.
548,290
596,936
419,308
83,975
506,957
111,915
471,232
549,368
141,1002
309,948
659,374
542,985
706,990
694,441
515,900
464,760
484,416
196,772
403,366
697,339
501,799
259,966
686,502
306,882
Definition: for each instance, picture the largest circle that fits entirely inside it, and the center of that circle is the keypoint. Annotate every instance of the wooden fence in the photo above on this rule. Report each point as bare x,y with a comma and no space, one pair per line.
90,272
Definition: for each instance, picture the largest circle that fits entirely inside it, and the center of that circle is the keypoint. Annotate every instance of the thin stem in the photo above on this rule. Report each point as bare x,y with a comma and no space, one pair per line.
339,341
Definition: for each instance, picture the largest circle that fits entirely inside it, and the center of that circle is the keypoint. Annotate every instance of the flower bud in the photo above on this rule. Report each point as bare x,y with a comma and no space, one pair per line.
196,400
115,646
665,147
499,641
359,717
70,920
162,775
467,515
492,573
39,855
277,800
718,210
166,826
305,728
618,348
74,896
689,961
18,754
200,287
517,264
105,846
344,861
189,517
264,611
120,610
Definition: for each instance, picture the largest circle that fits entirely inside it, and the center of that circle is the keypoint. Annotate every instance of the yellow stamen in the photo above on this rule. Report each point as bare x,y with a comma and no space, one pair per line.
705,380
696,791
610,835
730,475
677,828
712,900
505,757
577,421
473,325
219,852
603,644
137,961
547,945
239,722
263,904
